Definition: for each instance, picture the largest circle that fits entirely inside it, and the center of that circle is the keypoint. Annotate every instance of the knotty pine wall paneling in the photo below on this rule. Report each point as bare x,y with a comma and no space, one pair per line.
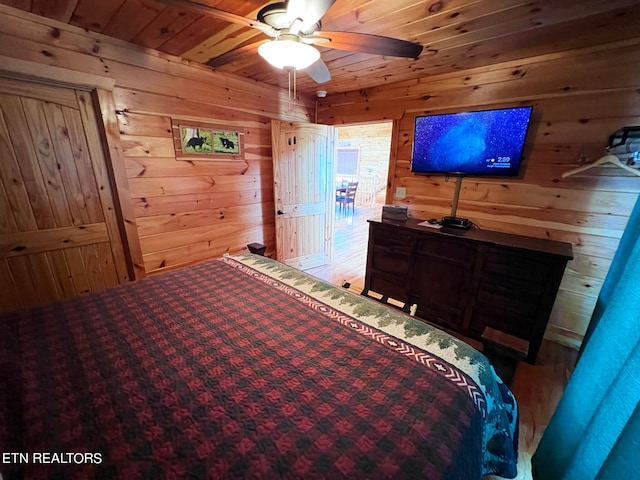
193,210
185,211
579,97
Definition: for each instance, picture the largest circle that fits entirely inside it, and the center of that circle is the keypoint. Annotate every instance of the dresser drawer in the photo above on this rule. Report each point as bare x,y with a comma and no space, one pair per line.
392,240
512,265
447,248
382,261
389,286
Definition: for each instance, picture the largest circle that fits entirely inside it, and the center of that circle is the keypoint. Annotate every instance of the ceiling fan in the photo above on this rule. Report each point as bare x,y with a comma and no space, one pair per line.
295,27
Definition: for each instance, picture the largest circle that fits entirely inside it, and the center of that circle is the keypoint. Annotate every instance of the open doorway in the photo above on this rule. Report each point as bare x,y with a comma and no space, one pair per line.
362,158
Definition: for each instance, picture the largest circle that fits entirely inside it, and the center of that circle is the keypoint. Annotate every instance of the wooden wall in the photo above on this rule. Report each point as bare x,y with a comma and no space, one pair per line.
580,97
185,211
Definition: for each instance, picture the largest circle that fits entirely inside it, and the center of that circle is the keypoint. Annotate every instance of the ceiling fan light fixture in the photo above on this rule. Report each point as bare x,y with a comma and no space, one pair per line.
289,51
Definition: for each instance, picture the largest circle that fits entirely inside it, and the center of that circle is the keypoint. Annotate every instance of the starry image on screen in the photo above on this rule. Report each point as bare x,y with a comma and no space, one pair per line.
488,142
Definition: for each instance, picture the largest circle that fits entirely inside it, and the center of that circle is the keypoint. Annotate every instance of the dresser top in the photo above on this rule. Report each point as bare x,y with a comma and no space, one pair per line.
552,247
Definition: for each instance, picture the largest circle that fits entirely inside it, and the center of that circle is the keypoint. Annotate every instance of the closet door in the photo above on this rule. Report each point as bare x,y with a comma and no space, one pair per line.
59,231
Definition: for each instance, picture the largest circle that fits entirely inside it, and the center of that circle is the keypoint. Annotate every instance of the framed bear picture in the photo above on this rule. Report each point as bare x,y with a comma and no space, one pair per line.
206,142
196,140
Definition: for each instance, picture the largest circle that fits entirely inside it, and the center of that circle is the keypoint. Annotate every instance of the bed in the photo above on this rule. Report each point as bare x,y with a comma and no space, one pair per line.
243,367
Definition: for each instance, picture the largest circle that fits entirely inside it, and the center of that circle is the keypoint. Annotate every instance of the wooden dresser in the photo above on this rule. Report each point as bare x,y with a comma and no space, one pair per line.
466,280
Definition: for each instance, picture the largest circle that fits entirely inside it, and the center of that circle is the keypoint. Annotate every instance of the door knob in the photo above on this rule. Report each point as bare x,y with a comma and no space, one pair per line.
280,212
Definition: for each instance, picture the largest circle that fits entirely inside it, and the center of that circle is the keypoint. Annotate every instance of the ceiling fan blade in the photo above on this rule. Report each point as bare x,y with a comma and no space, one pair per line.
318,72
374,44
309,11
218,14
235,54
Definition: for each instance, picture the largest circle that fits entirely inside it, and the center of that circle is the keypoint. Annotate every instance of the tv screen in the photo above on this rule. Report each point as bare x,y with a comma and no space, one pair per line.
488,142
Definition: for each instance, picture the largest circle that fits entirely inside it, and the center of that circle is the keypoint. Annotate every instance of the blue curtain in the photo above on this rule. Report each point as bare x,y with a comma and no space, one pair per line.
595,431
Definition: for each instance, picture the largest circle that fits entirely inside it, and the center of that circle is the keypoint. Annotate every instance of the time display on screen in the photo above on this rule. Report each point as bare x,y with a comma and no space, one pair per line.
498,162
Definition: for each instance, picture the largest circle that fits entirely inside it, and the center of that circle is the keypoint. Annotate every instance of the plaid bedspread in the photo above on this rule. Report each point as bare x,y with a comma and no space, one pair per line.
244,368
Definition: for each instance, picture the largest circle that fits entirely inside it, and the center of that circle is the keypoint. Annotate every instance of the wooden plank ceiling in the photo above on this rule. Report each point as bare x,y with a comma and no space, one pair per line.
456,34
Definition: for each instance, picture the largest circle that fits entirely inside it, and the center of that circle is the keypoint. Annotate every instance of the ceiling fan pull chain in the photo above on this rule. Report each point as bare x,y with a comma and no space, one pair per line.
289,86
295,85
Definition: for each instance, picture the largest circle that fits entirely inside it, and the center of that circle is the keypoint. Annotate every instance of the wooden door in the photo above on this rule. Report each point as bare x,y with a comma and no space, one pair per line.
59,233
304,193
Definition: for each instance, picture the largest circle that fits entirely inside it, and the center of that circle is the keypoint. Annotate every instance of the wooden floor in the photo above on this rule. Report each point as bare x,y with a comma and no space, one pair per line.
350,238
537,388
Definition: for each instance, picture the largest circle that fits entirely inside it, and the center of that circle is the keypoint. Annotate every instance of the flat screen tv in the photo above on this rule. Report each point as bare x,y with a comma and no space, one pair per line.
487,142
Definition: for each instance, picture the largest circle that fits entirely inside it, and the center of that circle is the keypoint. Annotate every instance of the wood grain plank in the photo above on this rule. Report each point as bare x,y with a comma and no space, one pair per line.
158,224
86,154
169,167
61,273
188,203
143,125
23,243
47,93
198,32
588,266
158,187
92,267
7,221
75,262
27,293
47,161
14,188
156,262
131,18
23,149
94,15
43,278
505,192
107,264
150,103
165,26
220,231
141,146
68,170
581,284
60,10
574,313
9,295
489,22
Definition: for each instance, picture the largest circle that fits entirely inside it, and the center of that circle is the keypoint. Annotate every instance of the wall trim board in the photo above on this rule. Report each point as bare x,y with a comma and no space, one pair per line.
118,172
50,75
